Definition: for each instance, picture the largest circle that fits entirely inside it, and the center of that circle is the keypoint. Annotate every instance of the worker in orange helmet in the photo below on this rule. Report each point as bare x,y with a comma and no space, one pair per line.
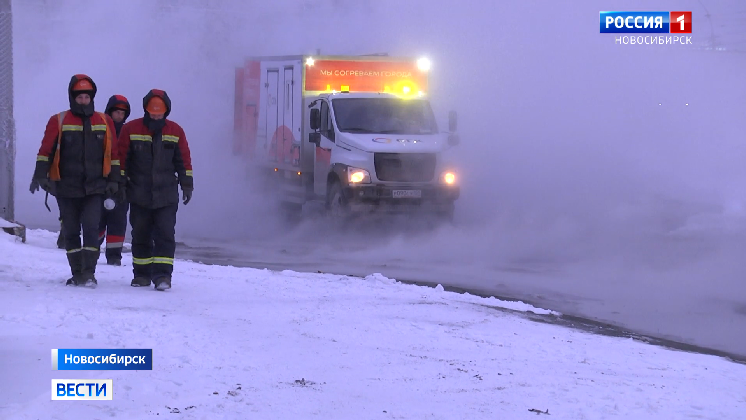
156,160
78,163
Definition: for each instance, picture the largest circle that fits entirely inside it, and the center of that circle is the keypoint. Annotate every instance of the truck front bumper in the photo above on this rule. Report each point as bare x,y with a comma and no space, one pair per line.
387,198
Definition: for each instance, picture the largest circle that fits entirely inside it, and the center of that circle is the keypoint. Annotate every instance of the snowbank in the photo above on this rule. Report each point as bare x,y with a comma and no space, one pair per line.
238,343
4,224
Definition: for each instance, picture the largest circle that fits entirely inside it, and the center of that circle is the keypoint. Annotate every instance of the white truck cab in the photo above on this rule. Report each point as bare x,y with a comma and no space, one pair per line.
385,154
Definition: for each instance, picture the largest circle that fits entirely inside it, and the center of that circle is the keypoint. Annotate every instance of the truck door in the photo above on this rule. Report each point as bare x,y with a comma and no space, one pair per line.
290,145
324,151
272,115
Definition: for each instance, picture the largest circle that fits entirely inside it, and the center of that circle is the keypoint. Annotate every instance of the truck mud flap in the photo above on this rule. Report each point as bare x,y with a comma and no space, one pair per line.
292,194
290,187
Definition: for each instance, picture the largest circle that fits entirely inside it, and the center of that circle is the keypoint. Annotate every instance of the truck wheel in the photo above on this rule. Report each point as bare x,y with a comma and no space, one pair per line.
447,217
336,203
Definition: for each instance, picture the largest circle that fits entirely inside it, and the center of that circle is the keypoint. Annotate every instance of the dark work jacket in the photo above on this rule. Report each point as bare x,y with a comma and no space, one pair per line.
155,163
78,165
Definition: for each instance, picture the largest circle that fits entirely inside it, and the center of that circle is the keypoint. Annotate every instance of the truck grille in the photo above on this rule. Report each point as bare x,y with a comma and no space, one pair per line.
405,167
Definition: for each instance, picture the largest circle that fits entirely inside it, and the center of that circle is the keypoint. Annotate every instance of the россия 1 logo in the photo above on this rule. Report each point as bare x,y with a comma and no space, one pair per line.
646,22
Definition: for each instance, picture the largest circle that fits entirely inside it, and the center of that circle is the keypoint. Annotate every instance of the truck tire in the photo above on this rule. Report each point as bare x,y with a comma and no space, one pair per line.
448,216
336,203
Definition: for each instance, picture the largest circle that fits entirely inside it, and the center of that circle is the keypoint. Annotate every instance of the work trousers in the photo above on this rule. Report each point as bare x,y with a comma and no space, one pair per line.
85,213
113,228
153,240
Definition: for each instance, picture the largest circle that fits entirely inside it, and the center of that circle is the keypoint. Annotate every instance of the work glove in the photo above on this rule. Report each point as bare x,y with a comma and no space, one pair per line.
111,188
187,195
44,183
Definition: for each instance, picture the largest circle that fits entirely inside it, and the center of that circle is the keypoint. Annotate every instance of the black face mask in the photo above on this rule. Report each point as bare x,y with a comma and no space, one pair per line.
82,110
154,125
118,126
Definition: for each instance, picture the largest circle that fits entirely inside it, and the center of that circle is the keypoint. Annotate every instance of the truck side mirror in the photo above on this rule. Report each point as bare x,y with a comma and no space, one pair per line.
315,120
452,121
315,138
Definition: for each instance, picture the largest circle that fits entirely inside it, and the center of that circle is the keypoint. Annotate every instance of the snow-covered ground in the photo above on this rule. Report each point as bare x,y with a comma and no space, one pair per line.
241,343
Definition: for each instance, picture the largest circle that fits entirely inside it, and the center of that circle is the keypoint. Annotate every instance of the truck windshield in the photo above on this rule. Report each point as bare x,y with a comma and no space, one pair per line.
384,116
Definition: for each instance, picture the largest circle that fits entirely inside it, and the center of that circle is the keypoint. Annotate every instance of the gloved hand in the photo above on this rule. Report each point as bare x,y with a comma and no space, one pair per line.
44,183
187,195
111,188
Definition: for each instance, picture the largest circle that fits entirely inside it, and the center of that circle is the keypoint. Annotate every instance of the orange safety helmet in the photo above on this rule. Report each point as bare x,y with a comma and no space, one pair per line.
156,105
82,85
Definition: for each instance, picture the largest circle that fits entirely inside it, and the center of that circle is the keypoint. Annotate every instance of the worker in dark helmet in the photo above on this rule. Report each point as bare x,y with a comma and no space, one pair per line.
156,160
113,225
78,163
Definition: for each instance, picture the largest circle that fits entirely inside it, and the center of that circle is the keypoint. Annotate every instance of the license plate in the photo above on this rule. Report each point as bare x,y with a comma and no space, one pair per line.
407,194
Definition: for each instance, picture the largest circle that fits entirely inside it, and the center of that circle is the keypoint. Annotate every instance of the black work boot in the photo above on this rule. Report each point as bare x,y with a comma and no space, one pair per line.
75,259
89,281
162,283
114,256
140,282
143,274
90,260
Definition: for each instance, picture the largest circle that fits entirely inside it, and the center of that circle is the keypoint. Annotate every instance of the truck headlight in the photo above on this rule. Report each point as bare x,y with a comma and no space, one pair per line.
357,176
448,178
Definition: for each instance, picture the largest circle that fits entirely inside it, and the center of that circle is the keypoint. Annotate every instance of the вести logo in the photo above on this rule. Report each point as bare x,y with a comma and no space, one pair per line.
82,389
